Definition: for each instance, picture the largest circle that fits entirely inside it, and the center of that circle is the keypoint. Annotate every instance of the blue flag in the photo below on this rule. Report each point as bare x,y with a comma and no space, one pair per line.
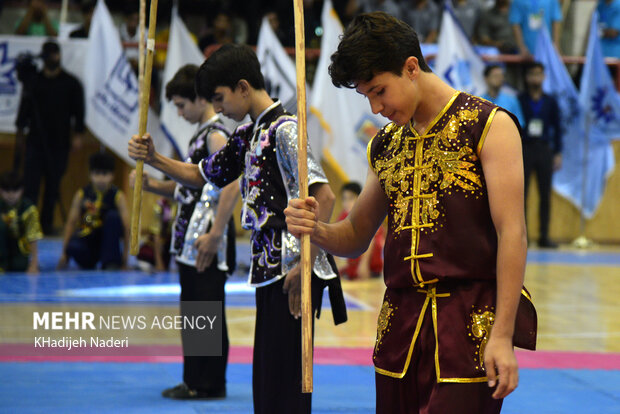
579,170
598,94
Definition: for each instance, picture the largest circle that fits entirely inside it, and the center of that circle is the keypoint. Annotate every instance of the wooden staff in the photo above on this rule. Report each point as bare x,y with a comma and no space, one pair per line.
145,67
302,168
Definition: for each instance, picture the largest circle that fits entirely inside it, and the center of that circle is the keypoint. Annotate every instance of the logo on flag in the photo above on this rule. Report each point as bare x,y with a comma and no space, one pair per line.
457,61
601,107
8,80
112,89
458,74
118,98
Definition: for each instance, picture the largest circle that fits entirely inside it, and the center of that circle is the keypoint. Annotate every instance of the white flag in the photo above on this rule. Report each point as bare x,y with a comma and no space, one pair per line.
457,62
340,122
111,88
181,51
277,67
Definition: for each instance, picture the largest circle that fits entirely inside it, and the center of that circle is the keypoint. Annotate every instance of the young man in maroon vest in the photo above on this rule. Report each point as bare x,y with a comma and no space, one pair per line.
447,171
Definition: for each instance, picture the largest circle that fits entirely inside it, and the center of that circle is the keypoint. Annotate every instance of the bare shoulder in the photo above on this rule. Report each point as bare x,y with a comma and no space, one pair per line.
502,139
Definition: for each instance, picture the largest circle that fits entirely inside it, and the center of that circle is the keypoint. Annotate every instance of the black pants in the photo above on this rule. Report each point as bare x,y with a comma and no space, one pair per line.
205,373
49,164
538,158
276,371
11,257
102,245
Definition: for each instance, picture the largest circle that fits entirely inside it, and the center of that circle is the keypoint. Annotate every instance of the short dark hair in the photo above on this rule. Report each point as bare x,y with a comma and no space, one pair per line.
49,47
183,83
492,67
532,65
11,181
101,161
351,186
226,67
374,43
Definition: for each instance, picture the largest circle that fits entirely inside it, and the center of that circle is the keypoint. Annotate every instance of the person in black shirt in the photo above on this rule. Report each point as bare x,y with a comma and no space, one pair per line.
52,105
542,142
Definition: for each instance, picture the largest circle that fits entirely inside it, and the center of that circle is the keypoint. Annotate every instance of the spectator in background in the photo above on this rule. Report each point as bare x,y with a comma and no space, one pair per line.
527,16
240,29
98,221
494,28
88,8
51,107
390,7
494,78
346,10
274,21
424,16
37,22
467,13
130,32
19,227
542,142
609,26
220,33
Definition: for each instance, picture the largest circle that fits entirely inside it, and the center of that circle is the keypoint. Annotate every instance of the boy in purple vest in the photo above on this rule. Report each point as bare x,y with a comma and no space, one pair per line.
447,171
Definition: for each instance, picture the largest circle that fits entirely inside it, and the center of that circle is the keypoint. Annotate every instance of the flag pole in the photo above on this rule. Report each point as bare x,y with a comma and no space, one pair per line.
302,168
582,242
144,77
64,7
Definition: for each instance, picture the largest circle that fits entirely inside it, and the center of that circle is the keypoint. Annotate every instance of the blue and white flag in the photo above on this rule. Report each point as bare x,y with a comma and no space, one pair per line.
111,90
570,181
457,62
340,122
598,93
181,51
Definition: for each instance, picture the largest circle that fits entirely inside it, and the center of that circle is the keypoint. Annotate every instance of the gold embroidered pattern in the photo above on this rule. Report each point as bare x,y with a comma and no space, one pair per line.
416,170
383,322
451,167
481,324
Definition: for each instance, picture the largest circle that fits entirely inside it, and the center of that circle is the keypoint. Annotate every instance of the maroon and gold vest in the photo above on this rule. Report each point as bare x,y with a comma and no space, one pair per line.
439,219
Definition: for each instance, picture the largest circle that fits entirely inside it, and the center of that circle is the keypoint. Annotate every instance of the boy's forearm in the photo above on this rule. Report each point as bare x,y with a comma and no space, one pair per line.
326,199
511,257
159,187
182,172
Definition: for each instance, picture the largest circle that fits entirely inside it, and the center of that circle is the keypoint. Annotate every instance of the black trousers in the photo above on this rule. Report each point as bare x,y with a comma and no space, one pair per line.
49,164
205,373
102,245
538,158
276,371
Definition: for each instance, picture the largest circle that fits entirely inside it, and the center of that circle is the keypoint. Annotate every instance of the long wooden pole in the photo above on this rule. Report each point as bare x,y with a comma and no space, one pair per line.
302,168
145,66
